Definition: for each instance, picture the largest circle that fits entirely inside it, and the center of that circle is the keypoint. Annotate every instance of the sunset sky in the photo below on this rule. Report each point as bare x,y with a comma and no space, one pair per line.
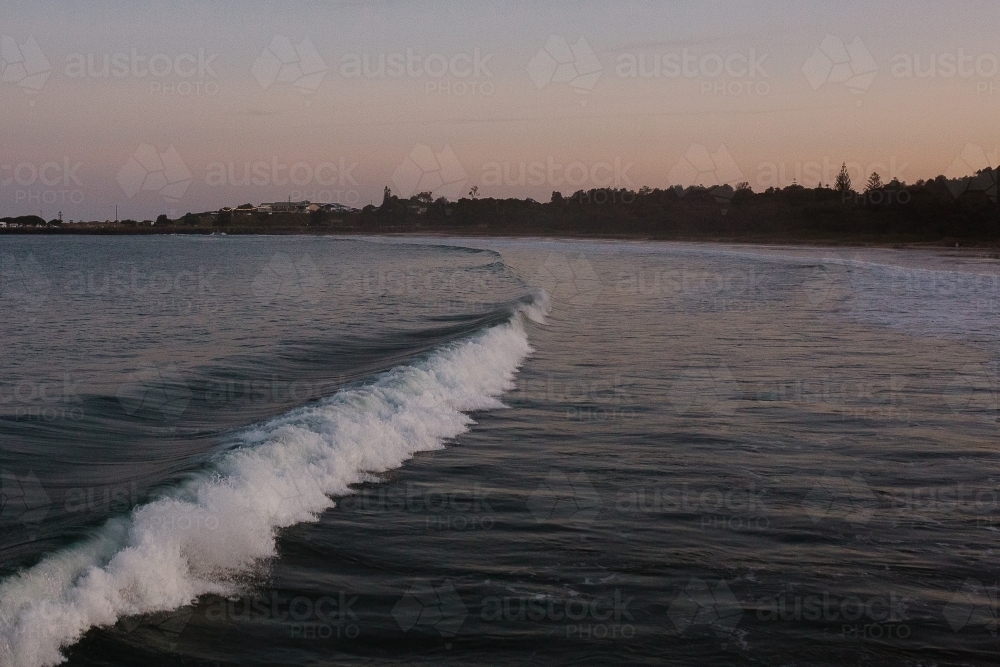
571,94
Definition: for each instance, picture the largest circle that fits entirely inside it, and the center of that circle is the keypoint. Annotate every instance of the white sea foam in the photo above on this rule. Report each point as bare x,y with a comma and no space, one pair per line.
223,523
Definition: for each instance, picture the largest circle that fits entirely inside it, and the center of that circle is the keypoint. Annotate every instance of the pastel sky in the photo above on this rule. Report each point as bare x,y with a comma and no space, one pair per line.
515,98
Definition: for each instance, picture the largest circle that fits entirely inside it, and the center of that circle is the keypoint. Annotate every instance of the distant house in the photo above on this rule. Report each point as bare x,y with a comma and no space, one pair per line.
3,225
337,208
287,206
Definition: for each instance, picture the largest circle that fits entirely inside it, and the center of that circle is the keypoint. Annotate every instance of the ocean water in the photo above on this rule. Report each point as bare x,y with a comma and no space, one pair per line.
330,451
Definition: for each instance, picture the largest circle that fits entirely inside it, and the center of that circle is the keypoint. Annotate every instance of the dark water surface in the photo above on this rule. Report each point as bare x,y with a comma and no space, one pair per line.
708,454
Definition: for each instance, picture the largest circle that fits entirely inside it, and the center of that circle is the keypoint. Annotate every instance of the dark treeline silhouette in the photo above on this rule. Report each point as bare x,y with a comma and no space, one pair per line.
938,210
29,220
934,210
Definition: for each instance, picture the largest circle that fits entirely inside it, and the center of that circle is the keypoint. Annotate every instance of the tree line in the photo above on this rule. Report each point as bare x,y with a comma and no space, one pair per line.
931,210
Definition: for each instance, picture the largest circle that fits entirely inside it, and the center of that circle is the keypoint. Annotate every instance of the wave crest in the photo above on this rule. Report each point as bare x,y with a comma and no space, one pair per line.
221,524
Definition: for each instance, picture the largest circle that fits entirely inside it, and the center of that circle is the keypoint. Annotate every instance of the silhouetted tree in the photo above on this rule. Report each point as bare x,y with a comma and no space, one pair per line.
874,182
843,185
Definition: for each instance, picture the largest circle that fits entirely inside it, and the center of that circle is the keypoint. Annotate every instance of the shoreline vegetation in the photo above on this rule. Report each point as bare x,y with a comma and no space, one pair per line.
938,212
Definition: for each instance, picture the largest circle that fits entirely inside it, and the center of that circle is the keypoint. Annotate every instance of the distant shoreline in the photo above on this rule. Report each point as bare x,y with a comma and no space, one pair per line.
845,241
938,213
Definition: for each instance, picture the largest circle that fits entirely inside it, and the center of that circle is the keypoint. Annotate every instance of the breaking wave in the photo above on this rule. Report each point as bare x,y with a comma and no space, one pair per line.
205,535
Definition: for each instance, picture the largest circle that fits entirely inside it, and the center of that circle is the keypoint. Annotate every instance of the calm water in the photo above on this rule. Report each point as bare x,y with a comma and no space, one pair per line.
287,451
